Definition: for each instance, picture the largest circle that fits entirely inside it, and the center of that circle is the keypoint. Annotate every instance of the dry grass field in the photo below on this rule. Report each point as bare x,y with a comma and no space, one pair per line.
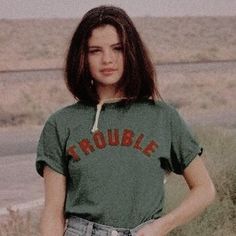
218,220
201,96
207,98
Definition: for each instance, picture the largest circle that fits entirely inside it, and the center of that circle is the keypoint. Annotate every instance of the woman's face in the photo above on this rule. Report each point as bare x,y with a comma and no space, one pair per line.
105,56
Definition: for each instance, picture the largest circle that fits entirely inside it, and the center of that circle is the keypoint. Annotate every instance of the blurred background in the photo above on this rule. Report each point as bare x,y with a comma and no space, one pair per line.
193,46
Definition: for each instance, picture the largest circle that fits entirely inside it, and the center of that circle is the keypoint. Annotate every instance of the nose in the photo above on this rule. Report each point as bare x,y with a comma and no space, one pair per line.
107,57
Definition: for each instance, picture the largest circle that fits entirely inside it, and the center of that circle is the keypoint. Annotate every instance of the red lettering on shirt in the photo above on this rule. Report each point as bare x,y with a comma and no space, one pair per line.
86,146
72,152
113,138
138,141
150,148
127,137
99,140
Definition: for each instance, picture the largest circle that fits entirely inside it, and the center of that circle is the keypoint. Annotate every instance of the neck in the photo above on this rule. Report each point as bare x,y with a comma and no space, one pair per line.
108,92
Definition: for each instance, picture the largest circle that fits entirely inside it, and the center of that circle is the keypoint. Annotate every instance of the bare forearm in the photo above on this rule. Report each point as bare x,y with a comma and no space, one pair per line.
52,224
202,193
196,201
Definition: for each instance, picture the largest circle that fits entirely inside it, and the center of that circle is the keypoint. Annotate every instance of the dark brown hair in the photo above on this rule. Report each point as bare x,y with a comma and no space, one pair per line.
138,80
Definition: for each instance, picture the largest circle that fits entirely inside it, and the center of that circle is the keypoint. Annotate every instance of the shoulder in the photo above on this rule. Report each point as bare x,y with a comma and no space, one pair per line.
67,113
164,107
158,110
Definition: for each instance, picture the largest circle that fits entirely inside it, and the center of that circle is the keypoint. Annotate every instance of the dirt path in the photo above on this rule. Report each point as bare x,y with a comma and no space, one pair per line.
19,183
17,141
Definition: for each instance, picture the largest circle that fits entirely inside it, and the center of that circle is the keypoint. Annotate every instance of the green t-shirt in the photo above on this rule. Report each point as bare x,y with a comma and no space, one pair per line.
115,175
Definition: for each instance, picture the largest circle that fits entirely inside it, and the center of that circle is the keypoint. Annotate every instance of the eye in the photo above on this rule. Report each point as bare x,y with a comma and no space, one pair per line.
94,51
118,48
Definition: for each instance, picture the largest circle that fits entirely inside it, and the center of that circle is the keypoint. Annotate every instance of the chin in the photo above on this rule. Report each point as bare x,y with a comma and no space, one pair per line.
108,83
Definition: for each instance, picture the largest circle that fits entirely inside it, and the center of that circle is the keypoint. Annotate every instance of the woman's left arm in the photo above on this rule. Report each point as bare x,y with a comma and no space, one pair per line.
202,193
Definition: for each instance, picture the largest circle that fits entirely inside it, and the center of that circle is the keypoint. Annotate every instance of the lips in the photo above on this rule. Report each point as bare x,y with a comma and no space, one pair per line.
108,71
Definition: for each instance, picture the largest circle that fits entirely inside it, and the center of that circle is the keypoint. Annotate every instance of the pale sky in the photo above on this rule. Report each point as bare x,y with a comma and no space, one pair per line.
76,8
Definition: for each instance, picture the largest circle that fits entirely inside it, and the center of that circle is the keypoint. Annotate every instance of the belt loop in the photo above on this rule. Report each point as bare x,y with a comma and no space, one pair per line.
89,229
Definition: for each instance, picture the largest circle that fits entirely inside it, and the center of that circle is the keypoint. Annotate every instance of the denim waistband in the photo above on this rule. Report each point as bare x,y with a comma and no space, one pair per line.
80,226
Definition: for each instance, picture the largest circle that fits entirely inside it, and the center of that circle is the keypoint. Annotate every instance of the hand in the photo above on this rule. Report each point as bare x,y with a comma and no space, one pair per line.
156,228
147,230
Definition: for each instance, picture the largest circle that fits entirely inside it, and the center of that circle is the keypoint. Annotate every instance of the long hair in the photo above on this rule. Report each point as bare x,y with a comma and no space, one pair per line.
139,77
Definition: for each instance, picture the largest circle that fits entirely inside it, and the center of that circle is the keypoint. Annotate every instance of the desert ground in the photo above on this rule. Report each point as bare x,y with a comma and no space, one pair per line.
206,98
42,43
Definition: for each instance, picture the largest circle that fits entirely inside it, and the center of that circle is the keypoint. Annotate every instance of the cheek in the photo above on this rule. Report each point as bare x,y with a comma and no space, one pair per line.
92,65
121,63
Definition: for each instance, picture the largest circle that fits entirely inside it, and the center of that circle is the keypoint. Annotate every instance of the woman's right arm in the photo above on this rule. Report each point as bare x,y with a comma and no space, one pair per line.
52,221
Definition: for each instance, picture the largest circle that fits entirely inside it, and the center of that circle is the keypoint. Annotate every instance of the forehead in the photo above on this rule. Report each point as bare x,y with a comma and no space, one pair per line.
104,35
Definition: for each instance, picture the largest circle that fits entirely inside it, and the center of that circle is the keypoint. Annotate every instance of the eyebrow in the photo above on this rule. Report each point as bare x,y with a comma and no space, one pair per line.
113,45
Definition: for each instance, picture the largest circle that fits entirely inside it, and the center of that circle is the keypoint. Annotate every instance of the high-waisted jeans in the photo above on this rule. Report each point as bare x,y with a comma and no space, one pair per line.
81,227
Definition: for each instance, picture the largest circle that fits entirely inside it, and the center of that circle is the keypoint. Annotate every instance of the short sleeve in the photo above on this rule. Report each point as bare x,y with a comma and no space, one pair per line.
184,145
50,150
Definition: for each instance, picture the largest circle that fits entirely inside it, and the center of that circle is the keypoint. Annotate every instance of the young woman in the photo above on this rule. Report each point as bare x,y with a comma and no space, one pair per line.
104,158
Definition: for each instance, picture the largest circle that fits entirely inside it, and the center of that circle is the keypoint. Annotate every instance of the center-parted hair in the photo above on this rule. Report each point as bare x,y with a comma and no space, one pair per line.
139,77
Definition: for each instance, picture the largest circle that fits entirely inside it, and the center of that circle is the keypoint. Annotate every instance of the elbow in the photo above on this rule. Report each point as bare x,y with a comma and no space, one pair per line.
207,192
210,191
